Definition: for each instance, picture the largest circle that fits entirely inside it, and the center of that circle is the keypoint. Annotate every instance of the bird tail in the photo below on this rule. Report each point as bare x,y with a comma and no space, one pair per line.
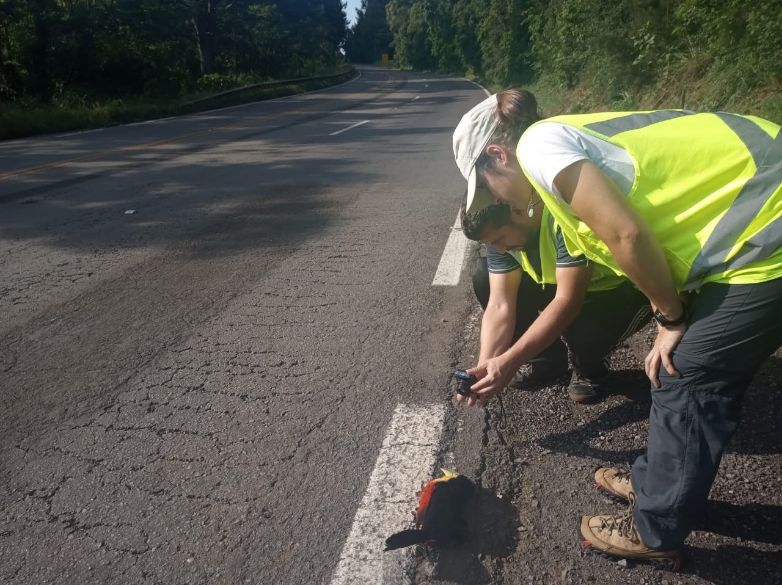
404,538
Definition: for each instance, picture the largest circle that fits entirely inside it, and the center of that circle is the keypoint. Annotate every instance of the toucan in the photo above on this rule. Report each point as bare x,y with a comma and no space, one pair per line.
439,517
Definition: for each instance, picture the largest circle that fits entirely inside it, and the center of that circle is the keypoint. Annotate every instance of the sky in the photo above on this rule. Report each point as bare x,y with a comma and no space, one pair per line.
351,10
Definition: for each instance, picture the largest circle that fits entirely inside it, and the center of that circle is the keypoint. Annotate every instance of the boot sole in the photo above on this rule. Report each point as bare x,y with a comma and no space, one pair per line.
579,399
672,562
664,564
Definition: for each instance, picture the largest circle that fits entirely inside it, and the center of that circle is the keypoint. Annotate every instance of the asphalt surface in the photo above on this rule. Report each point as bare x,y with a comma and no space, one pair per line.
207,323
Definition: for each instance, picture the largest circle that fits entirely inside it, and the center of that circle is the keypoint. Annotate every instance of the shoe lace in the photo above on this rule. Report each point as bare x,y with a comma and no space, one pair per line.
624,523
622,475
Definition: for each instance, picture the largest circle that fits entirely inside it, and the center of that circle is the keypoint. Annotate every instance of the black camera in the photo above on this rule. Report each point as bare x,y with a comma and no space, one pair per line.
463,383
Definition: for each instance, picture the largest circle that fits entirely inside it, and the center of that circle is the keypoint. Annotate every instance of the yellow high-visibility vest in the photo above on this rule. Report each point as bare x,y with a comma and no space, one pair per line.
709,186
603,278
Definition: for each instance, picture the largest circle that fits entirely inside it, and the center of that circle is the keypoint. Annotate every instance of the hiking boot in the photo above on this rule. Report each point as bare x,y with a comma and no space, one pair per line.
615,481
582,389
537,374
618,537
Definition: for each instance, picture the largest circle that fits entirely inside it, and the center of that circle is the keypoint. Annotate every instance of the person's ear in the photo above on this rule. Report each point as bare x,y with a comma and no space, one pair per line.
498,153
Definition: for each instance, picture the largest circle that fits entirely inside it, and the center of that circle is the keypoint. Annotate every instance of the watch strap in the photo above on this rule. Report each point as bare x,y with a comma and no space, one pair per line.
665,322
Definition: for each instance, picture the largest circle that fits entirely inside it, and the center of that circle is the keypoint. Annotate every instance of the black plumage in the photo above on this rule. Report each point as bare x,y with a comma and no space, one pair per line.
439,517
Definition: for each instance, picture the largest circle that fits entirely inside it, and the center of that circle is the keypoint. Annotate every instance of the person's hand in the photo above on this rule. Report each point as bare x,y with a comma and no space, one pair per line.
493,376
662,352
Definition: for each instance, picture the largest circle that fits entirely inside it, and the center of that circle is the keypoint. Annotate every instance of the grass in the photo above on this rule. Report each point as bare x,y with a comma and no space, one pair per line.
17,121
685,86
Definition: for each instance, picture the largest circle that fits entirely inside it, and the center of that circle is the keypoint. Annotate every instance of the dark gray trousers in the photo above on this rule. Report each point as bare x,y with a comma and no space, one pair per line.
732,330
606,318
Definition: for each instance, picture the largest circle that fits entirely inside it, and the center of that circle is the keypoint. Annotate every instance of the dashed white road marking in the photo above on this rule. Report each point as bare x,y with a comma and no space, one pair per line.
78,132
486,91
405,462
357,124
451,262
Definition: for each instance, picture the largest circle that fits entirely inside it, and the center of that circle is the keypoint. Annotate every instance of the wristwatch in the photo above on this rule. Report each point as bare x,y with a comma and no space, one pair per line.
665,322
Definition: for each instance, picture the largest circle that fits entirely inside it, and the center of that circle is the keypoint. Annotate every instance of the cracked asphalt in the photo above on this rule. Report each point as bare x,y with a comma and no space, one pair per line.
206,325
208,321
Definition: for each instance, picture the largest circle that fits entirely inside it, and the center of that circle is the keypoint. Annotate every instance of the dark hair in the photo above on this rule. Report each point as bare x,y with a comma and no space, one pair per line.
492,216
517,110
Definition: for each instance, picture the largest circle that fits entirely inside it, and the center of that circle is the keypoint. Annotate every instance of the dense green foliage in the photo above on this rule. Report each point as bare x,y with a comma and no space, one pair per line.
82,49
117,54
480,37
615,50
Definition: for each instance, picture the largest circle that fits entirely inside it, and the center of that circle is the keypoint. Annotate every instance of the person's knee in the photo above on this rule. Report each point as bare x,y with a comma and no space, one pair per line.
696,367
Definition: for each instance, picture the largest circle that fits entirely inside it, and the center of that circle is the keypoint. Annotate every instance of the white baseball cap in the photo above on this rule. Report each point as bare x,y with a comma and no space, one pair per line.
470,138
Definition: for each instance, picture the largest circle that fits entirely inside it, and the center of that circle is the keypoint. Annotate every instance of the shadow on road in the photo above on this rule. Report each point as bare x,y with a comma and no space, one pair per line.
758,522
734,565
493,525
757,435
580,440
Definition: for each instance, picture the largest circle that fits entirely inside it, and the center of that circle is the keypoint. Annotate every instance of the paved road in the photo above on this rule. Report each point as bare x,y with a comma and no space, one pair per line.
207,323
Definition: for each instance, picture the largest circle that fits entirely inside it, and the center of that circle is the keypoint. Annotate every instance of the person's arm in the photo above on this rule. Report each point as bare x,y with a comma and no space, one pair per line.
597,202
499,318
494,374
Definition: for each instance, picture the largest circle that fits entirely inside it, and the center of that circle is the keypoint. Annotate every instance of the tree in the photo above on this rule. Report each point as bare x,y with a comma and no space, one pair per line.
504,42
412,44
94,48
369,37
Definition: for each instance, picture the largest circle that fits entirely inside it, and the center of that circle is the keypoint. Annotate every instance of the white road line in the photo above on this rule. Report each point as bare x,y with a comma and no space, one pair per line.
486,91
349,128
247,104
279,99
404,463
78,132
451,262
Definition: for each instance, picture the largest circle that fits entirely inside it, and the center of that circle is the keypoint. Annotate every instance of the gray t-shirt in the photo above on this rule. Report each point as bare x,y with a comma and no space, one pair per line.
500,263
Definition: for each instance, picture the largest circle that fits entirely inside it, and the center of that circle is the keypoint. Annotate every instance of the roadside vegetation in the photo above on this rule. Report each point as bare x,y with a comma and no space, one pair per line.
68,64
581,55
71,64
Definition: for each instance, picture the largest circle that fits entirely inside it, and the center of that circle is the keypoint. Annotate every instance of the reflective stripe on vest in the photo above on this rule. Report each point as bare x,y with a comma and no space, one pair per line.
718,254
634,121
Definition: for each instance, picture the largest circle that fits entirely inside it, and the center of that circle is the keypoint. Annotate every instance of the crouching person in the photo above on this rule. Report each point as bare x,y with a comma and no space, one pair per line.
515,283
